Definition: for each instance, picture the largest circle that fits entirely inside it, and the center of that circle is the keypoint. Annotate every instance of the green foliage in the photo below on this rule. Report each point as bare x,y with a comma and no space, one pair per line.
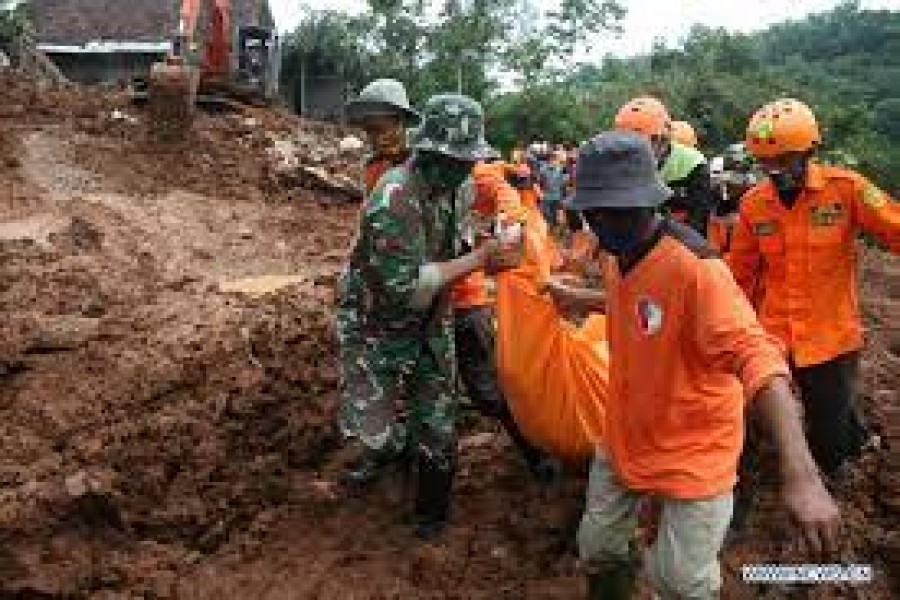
844,63
887,118
464,45
543,113
14,23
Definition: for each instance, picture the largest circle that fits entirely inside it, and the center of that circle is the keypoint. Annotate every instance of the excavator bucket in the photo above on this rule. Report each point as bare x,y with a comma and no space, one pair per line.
172,98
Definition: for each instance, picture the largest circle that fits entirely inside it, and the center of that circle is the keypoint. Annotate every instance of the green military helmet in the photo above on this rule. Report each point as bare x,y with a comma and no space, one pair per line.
453,125
382,97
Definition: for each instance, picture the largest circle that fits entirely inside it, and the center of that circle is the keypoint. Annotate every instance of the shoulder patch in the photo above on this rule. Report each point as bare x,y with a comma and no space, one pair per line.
874,197
690,239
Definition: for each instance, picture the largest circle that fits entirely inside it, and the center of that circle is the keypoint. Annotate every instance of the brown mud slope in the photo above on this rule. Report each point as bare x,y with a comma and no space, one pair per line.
168,379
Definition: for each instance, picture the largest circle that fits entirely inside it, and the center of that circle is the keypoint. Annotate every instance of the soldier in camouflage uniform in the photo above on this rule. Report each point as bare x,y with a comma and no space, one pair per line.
393,311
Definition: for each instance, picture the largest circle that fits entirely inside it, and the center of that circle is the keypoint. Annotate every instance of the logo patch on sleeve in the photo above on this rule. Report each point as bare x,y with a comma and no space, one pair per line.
650,316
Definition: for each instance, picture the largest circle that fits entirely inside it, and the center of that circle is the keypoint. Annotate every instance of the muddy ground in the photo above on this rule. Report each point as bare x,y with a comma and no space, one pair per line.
168,385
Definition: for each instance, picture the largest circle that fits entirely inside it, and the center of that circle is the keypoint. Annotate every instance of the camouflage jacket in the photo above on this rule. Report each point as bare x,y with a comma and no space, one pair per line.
404,225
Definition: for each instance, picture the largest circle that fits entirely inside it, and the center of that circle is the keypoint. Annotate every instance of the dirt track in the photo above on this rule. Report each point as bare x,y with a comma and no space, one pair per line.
166,431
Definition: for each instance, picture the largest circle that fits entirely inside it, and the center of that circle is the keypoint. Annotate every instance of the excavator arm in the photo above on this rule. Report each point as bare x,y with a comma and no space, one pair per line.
174,83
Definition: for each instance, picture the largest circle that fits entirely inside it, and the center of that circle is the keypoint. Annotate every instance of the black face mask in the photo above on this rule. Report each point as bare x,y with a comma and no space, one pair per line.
442,172
789,182
518,182
623,241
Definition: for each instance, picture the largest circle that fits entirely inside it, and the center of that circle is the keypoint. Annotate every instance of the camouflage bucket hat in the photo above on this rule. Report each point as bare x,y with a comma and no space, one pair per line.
453,125
383,97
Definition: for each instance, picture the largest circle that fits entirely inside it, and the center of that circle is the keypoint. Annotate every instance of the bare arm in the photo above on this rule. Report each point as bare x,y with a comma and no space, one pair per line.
570,297
804,493
434,277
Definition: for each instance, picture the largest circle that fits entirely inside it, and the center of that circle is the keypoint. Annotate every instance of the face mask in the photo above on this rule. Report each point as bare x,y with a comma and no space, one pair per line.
442,173
621,242
789,182
518,182
615,243
784,182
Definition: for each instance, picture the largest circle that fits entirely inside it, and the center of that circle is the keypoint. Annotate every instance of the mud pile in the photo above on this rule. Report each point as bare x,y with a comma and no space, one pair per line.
155,397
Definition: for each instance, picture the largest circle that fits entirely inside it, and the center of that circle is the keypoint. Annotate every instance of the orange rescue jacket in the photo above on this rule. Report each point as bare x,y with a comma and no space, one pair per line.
798,265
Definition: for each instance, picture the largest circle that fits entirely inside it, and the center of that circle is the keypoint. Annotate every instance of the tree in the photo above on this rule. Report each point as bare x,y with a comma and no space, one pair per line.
887,118
14,24
540,39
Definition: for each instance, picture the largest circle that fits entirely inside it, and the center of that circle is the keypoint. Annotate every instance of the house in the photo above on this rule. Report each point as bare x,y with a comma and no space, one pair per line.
108,41
317,90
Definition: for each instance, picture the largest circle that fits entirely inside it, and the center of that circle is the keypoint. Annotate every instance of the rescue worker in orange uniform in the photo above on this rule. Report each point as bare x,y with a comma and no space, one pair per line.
687,356
519,176
383,111
683,168
794,247
474,319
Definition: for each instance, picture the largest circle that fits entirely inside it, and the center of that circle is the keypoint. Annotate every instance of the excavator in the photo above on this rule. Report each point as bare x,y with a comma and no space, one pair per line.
220,66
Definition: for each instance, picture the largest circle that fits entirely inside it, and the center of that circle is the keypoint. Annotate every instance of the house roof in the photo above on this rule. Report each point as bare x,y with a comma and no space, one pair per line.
78,22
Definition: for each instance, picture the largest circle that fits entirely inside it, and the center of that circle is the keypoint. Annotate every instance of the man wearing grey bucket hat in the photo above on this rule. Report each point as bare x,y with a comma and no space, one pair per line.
686,350
383,111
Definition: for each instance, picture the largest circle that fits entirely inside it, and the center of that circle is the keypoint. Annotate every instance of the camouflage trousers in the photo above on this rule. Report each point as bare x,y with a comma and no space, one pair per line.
386,379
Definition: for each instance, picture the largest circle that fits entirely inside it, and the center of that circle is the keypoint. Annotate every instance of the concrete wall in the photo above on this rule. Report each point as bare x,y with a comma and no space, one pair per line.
104,67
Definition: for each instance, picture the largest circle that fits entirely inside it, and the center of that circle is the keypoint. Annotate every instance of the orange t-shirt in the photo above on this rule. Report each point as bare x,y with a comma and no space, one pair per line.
686,350
799,264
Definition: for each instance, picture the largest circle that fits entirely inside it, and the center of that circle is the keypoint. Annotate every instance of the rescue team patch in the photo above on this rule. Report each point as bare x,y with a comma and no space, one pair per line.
650,316
826,215
764,228
873,197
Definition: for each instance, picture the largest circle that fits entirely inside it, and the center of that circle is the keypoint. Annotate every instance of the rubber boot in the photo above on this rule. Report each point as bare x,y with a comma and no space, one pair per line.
617,583
435,482
368,467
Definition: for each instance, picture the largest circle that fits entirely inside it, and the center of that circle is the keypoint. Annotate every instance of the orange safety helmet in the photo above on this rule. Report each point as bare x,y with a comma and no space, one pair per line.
645,115
683,133
782,126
